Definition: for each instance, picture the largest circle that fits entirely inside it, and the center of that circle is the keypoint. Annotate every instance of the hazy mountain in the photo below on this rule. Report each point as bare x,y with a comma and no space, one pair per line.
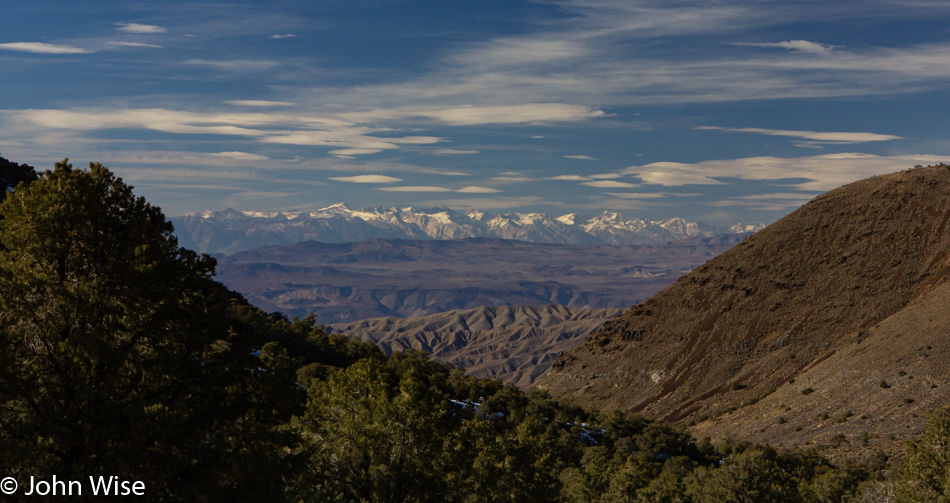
511,343
231,231
828,327
343,282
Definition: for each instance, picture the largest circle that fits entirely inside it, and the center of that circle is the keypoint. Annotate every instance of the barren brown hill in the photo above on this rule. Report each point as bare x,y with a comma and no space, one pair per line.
515,344
829,326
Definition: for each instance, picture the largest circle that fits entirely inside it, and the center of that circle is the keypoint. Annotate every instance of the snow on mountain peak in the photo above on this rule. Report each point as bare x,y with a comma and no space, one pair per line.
338,209
442,217
567,219
338,223
530,218
475,215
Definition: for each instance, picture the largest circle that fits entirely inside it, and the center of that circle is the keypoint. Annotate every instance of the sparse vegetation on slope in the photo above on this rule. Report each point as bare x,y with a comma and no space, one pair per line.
839,296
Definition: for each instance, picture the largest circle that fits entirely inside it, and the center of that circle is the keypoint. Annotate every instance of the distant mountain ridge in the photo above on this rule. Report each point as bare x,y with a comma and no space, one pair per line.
231,231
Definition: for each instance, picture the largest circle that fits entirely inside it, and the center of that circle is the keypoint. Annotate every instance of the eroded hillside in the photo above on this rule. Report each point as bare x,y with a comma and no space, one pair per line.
513,344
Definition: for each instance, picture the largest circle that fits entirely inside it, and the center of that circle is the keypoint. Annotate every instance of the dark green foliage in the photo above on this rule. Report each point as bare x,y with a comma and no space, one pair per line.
12,174
376,432
395,429
925,475
116,353
753,475
119,355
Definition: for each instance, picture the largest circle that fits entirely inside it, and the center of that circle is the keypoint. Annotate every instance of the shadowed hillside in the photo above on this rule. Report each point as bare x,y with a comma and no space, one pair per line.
803,321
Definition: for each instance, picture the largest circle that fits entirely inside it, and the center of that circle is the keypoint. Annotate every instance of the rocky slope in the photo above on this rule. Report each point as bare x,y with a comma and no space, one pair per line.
826,327
511,343
401,278
231,231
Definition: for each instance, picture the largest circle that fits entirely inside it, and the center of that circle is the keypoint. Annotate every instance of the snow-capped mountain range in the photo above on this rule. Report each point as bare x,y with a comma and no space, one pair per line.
230,231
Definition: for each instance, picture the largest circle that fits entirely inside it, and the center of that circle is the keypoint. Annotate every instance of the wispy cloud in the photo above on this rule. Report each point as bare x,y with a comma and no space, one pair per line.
134,44
473,189
350,152
416,188
491,203
366,179
343,137
139,28
173,162
449,151
513,178
638,195
357,140
821,172
42,48
570,178
574,61
765,202
794,45
283,35
606,176
581,157
671,174
236,65
471,115
259,103
817,137
610,184
241,156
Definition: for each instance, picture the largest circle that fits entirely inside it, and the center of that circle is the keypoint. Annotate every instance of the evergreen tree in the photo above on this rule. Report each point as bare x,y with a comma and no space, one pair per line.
116,352
12,174
377,431
750,476
925,475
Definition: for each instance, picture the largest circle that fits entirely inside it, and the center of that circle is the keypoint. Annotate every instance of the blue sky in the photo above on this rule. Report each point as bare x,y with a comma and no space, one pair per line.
721,111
